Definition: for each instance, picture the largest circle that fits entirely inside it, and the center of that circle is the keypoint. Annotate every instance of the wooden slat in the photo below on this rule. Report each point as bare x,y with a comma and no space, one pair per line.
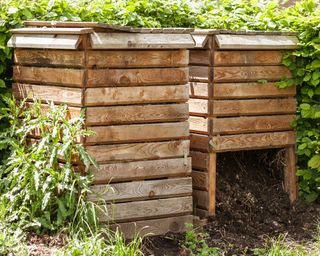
199,74
59,58
200,180
254,107
243,42
136,114
200,161
199,90
141,190
252,141
55,31
153,227
290,177
201,213
200,199
200,57
53,76
150,58
141,41
139,151
44,41
250,90
199,142
176,167
71,96
234,125
199,107
247,58
212,183
248,73
136,95
138,133
199,125
200,40
136,77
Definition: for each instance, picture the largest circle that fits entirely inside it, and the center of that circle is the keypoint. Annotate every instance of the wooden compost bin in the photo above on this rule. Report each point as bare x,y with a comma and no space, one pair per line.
133,85
235,106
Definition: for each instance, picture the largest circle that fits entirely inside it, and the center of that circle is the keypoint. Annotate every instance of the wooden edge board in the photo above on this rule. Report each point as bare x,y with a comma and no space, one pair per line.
57,31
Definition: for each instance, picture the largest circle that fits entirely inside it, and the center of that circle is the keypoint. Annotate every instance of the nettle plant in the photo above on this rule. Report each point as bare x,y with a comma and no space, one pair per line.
40,188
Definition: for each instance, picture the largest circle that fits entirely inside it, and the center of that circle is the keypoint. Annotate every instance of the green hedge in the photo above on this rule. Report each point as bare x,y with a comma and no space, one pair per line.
304,18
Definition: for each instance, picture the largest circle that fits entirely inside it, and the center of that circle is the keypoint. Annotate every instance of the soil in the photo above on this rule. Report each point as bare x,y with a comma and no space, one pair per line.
251,206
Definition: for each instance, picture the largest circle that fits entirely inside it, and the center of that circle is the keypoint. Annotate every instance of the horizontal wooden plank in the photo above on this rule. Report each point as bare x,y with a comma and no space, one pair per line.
198,125
58,58
243,42
141,190
153,227
200,161
200,180
200,57
136,114
254,107
70,42
136,95
247,58
136,77
201,213
253,141
234,125
53,76
200,74
200,90
199,142
141,41
163,168
54,31
137,58
201,199
199,107
139,151
138,133
249,73
250,90
70,96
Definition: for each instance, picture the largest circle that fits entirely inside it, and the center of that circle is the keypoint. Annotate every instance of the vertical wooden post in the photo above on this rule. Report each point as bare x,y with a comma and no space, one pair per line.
212,184
290,178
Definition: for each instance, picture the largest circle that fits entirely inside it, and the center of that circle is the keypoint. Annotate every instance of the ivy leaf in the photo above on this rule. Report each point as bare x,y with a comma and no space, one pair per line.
305,106
314,162
2,84
315,64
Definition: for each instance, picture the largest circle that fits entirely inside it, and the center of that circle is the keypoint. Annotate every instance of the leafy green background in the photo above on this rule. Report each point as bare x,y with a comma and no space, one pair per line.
304,18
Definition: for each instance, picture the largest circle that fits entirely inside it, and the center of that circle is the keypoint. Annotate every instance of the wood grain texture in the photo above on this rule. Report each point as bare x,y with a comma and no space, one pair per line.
70,96
53,76
247,58
200,160
199,125
176,167
136,77
290,177
250,90
200,90
234,125
252,141
136,95
138,133
54,31
201,213
199,107
58,58
139,151
200,180
136,114
249,73
200,199
199,142
212,177
137,58
200,57
141,190
254,107
199,74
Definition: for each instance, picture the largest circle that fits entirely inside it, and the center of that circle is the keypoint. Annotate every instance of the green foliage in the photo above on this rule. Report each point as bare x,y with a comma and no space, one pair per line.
36,190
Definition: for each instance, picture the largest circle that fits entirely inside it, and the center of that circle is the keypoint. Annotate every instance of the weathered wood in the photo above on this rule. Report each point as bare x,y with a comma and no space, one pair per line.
139,151
234,125
136,114
248,73
124,59
200,57
53,76
54,31
200,161
153,227
71,96
136,77
147,209
243,42
141,41
199,74
141,190
212,184
58,58
290,177
247,58
250,90
138,133
252,141
254,107
200,40
199,90
200,142
176,167
200,199
201,213
44,41
199,125
199,107
136,95
200,180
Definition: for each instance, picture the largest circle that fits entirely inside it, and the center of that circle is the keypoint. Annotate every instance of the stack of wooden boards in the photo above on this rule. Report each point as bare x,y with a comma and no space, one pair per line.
133,87
235,106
